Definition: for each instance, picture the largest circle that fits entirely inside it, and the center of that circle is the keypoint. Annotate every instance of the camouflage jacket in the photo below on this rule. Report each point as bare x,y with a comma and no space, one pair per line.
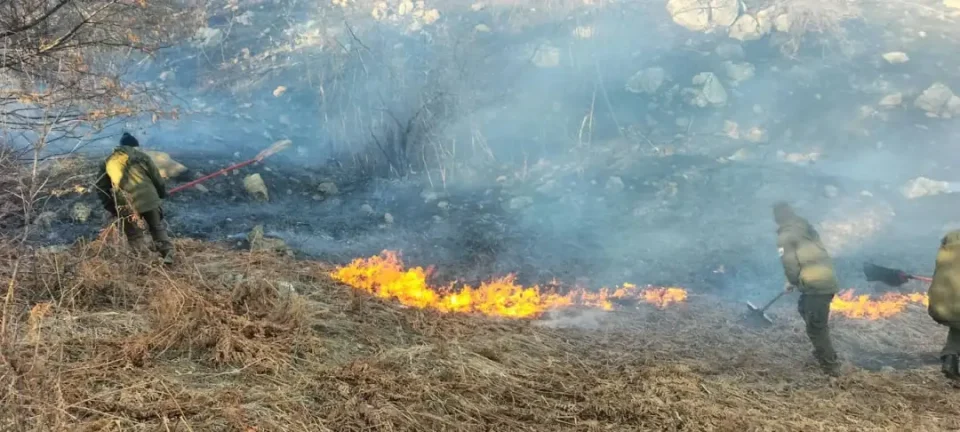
806,263
944,291
129,178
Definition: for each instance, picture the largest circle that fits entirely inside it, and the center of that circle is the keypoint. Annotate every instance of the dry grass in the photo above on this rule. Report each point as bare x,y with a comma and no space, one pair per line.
821,19
96,341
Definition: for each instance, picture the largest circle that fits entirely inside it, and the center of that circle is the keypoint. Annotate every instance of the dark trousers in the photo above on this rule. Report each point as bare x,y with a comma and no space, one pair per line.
155,224
952,347
815,310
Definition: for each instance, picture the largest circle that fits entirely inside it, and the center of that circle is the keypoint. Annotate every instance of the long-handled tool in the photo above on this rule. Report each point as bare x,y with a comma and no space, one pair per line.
276,147
760,314
889,276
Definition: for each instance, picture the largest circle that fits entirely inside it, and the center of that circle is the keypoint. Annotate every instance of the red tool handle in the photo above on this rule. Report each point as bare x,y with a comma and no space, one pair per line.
210,176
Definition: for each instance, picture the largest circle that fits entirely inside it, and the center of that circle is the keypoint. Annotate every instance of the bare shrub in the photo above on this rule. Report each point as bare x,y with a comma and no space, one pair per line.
824,18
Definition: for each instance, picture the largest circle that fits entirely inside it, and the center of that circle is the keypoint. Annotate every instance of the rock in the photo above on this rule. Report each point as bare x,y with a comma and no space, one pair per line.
739,71
934,99
711,92
429,196
443,205
255,186
739,155
922,186
519,203
80,212
953,106
206,37
746,28
891,100
614,184
45,220
328,188
167,75
896,57
730,51
647,81
388,218
765,20
169,168
366,209
887,369
279,91
782,23
731,129
482,28
830,191
702,15
260,242
547,56
318,197
756,135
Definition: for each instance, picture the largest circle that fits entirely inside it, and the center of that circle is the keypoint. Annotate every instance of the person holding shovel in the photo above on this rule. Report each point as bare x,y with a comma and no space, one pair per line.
808,268
944,296
129,187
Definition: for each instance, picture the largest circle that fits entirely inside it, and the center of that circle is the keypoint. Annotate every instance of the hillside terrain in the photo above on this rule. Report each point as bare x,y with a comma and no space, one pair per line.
492,216
252,341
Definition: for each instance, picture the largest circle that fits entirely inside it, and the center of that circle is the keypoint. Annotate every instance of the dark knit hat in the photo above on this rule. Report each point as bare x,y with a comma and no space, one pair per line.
128,140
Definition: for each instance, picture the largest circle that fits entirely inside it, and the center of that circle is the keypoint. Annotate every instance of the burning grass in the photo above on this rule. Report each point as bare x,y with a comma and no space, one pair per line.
240,341
386,277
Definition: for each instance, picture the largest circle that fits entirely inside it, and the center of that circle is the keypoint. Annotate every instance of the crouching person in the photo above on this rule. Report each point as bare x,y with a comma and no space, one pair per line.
944,296
129,185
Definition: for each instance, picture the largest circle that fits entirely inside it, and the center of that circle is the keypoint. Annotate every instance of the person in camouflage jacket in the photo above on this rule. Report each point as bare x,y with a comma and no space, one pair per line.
129,185
944,305
808,267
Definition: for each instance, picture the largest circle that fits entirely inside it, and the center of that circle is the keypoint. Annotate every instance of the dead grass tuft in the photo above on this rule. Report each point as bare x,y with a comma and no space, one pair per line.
823,19
240,341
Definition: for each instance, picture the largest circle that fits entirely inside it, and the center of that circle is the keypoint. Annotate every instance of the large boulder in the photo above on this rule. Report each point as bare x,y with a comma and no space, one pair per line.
703,15
938,100
747,28
169,168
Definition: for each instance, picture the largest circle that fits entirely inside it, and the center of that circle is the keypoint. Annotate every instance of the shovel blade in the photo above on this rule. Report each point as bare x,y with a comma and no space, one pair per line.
758,316
887,276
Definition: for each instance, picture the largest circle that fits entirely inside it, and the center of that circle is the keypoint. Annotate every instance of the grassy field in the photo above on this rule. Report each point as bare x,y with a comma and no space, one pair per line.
94,340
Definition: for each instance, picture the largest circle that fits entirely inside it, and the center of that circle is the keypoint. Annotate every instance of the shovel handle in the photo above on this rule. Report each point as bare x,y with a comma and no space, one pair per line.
767,306
920,278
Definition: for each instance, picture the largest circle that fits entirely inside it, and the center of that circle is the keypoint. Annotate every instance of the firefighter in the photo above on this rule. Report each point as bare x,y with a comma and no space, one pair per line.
809,269
944,307
130,186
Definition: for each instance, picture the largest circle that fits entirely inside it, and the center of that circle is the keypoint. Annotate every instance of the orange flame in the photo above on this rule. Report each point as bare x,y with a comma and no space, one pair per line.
384,276
862,306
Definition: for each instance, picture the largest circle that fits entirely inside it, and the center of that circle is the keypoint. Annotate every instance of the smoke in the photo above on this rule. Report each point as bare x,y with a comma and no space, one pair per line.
549,165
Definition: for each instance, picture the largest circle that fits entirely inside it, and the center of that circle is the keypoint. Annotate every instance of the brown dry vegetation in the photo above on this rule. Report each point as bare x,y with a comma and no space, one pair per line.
95,340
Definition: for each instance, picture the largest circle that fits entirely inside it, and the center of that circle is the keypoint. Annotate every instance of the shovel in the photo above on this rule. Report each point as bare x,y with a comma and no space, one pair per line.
760,314
889,276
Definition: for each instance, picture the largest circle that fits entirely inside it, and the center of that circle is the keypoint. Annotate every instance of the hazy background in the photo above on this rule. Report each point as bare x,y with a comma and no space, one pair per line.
527,152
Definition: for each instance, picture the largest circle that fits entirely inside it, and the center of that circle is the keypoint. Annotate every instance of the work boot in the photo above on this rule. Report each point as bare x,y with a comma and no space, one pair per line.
830,367
950,366
167,255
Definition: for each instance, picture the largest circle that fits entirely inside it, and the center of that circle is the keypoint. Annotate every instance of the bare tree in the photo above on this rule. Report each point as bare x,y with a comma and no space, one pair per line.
65,65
